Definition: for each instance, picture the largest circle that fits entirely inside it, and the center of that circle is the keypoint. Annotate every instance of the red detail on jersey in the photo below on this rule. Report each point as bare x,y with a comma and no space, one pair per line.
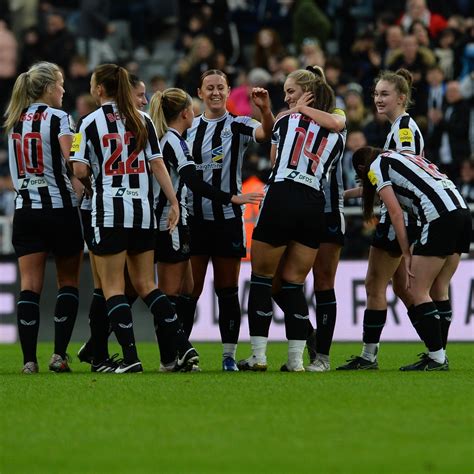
314,157
23,145
113,117
114,165
425,165
28,117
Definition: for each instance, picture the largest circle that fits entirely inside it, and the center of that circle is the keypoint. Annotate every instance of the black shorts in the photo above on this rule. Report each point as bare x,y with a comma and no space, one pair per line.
57,231
291,212
335,228
174,247
385,238
86,219
112,240
447,235
218,238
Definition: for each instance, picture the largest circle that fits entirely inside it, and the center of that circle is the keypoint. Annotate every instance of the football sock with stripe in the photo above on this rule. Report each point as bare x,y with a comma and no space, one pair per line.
120,315
446,314
229,314
100,326
429,325
28,318
326,309
166,344
374,321
414,321
65,314
166,321
186,309
260,309
296,314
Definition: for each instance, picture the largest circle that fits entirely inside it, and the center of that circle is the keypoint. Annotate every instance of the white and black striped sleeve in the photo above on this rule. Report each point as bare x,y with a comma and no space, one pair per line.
79,144
65,126
153,148
378,173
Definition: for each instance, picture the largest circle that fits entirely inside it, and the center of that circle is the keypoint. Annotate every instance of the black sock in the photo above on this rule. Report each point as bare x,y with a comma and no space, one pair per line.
296,314
446,314
374,321
131,299
281,303
28,319
120,316
414,321
229,314
326,309
166,321
429,325
186,309
260,310
100,326
166,344
65,314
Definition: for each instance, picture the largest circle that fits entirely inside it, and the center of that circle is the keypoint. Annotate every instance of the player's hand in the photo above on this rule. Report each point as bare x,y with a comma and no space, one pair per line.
260,97
173,217
306,99
409,275
248,198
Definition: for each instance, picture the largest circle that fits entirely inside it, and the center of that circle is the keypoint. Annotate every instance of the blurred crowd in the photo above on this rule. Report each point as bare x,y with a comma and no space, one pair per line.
258,43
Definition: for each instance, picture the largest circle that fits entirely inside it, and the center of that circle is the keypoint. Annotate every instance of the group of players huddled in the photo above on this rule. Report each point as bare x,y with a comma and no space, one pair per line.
164,188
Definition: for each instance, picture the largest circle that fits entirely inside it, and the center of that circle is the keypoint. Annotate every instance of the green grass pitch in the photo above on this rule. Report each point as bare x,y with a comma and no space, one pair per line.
380,421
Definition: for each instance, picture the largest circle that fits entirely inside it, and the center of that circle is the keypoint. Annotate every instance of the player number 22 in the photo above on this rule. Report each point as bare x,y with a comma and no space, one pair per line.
114,165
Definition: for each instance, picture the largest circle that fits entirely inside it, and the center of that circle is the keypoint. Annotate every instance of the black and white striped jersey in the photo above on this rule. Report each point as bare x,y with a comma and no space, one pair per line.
37,166
218,147
122,184
305,151
421,189
176,155
405,135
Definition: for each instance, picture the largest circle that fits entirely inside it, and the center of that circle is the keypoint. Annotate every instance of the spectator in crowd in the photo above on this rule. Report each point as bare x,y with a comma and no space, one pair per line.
85,104
309,21
201,57
417,10
417,61
268,49
451,134
31,51
436,91
393,38
357,114
77,82
158,83
465,182
8,58
311,53
94,27
444,52
58,44
420,30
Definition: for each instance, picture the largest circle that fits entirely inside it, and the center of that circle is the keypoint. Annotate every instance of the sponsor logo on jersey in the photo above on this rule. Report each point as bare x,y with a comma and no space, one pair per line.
300,177
27,183
121,192
208,166
76,142
217,154
372,177
405,135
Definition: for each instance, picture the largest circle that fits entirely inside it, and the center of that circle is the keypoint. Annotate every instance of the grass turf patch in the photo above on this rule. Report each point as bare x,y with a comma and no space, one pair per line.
335,422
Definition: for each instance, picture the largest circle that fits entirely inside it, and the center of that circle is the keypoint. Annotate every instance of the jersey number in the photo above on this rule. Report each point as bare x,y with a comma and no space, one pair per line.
114,165
24,158
301,142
